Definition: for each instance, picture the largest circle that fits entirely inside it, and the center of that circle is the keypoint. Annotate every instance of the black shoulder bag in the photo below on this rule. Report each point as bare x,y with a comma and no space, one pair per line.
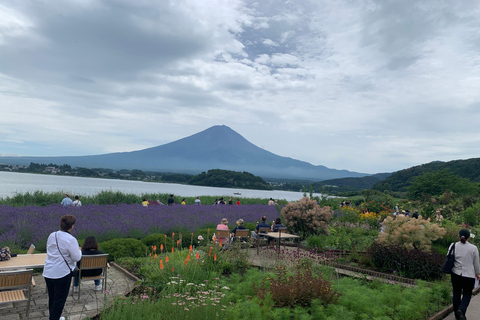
68,266
449,260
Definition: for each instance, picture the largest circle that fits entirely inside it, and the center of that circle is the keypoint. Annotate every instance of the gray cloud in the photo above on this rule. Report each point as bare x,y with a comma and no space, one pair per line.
368,86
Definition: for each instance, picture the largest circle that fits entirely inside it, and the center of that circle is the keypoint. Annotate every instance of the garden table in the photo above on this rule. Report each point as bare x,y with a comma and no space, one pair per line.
24,261
281,235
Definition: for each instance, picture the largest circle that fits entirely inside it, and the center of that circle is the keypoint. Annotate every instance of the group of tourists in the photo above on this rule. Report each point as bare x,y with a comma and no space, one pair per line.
223,225
67,202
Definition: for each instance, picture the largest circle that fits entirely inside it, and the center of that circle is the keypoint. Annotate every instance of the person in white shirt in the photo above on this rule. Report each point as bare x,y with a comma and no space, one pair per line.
197,201
63,253
77,202
465,269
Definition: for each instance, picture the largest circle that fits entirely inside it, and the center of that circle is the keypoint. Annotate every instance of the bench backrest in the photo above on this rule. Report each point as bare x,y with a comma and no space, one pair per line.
96,261
222,233
15,278
263,230
241,233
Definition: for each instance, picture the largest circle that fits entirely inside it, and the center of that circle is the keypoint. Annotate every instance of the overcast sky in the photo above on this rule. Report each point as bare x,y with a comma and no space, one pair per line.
367,86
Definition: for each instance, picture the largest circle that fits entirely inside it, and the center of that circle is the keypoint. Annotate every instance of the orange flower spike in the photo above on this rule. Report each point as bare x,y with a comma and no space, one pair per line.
188,258
161,264
191,247
172,249
210,252
178,243
172,269
186,261
155,256
166,259
161,248
173,234
155,248
215,257
197,256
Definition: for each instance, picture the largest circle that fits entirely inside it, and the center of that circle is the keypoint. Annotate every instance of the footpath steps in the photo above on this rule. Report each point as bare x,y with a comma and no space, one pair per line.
90,303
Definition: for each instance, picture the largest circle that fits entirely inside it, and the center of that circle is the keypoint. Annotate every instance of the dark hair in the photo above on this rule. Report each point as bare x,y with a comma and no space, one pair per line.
67,222
278,221
264,218
464,234
144,199
76,197
90,243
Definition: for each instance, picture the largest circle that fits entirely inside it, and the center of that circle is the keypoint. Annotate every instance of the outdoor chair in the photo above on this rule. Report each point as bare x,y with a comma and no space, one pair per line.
97,261
31,249
225,234
242,233
16,286
261,238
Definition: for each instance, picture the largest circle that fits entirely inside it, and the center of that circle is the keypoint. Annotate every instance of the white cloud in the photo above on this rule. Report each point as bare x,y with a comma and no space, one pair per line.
367,86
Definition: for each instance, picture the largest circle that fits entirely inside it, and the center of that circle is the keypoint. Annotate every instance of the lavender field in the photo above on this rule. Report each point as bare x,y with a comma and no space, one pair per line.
22,226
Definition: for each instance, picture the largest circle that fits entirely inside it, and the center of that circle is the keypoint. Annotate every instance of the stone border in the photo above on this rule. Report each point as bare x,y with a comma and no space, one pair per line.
128,274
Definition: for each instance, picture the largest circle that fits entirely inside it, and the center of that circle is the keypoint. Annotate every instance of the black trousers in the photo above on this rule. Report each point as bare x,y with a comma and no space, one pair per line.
57,295
462,285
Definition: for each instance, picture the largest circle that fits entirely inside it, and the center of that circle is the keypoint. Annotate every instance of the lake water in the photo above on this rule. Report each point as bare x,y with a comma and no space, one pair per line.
13,182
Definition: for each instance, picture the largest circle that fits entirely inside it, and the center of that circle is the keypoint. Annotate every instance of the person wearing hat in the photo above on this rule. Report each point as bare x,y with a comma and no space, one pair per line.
66,202
401,214
439,217
465,269
222,226
238,227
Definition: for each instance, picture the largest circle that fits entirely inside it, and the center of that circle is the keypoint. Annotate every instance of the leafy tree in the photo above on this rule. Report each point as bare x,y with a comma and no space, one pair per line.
410,233
438,182
306,217
229,179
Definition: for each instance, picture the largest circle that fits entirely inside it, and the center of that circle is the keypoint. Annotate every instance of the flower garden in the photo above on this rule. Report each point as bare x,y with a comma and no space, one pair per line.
185,275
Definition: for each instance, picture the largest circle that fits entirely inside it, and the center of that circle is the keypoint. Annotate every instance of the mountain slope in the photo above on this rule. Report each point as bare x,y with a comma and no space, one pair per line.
218,147
400,180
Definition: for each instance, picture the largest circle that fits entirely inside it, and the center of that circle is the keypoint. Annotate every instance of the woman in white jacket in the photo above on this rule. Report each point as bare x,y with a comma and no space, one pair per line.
63,253
464,272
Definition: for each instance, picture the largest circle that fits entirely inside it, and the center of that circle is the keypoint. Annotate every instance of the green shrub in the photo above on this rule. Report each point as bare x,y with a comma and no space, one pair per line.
158,239
118,248
471,215
415,264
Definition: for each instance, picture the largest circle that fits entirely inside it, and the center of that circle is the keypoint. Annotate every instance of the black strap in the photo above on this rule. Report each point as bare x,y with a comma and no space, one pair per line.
62,254
452,249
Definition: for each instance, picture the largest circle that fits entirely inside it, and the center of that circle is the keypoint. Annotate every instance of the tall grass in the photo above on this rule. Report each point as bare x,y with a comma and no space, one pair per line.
40,198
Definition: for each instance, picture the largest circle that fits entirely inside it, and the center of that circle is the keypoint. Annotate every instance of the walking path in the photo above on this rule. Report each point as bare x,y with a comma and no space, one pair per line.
90,303
473,310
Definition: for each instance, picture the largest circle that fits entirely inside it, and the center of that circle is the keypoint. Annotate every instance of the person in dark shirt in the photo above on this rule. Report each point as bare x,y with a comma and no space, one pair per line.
90,247
262,224
415,214
278,224
238,227
171,200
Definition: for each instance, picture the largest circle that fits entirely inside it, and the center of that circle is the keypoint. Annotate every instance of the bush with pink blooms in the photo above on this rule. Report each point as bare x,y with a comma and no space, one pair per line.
306,217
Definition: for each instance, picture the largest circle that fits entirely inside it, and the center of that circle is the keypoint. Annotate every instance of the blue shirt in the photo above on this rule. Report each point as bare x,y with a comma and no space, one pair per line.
262,225
66,202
